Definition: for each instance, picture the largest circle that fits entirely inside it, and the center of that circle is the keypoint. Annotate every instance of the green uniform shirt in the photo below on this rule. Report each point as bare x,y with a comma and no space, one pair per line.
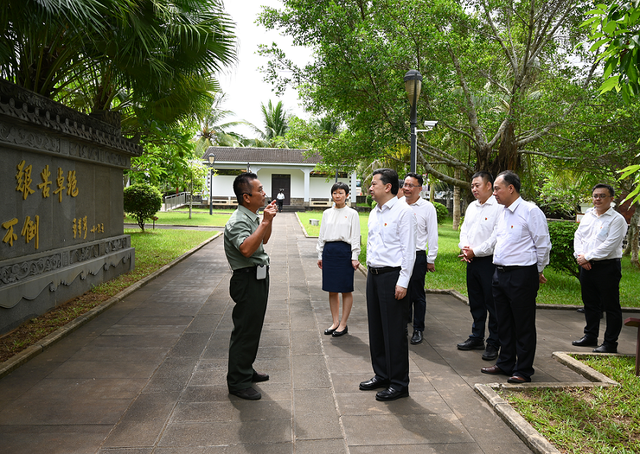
240,226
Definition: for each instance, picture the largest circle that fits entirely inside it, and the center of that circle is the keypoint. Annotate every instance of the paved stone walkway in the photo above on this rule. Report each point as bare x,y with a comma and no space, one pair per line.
148,375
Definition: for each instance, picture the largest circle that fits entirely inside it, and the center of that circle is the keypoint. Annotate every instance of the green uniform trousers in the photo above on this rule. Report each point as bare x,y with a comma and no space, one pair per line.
250,296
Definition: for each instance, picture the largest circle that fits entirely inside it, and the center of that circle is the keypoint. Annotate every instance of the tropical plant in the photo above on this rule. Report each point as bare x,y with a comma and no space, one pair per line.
152,61
214,132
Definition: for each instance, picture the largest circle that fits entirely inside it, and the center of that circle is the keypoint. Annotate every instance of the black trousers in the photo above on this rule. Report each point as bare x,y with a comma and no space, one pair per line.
417,307
514,293
601,292
250,296
479,279
387,321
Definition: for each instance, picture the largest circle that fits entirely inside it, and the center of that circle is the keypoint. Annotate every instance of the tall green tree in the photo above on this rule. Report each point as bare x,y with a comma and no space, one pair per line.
499,76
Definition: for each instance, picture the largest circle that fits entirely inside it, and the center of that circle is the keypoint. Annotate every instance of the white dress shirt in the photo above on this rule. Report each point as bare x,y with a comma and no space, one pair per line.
392,238
600,237
522,236
426,227
340,224
479,221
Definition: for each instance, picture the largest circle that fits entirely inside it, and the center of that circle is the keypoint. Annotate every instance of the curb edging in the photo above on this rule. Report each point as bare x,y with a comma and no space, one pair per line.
25,355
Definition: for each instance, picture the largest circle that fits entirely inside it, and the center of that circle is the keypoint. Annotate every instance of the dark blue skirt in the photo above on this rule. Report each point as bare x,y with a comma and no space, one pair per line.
337,271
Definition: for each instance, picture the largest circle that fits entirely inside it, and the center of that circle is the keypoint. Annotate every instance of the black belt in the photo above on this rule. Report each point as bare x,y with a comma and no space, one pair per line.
384,269
604,262
246,270
509,268
421,252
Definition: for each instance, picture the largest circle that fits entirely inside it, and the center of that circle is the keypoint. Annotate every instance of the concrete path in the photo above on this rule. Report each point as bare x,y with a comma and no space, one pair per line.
148,375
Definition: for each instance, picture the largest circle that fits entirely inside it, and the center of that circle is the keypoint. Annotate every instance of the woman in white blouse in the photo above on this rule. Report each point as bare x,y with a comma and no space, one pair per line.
338,249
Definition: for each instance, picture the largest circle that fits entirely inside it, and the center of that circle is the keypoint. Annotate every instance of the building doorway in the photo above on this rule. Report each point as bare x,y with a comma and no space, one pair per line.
281,182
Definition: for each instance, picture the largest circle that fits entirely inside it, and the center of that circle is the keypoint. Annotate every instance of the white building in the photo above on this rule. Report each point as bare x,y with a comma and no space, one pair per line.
277,168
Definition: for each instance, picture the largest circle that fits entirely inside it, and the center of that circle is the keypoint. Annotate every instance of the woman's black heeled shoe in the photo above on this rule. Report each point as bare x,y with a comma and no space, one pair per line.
340,333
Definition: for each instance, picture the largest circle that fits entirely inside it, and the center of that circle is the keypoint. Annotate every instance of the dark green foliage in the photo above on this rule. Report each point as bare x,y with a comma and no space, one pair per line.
561,257
142,201
369,200
441,211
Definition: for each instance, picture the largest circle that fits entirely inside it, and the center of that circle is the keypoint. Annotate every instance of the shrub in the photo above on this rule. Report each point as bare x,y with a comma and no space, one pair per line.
141,202
441,211
369,200
561,257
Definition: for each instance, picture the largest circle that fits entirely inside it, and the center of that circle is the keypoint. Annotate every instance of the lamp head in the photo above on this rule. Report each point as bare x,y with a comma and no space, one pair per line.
413,85
212,158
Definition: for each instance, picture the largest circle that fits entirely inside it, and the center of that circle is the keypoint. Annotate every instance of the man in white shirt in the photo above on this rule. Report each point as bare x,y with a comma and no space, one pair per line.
426,237
476,249
521,252
391,246
597,248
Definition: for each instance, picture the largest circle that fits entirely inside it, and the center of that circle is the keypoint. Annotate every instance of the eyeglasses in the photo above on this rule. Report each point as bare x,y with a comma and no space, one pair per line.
407,185
600,196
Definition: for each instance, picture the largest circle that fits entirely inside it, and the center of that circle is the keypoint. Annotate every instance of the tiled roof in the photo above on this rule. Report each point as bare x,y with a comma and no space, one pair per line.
260,155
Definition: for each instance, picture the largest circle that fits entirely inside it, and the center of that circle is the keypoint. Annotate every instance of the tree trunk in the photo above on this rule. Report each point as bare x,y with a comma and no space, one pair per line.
508,157
456,201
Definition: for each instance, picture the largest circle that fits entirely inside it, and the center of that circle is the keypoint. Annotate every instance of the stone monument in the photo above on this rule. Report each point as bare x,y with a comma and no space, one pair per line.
61,215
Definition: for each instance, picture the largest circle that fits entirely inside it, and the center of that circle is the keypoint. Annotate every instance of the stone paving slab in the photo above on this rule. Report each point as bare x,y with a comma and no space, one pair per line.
147,376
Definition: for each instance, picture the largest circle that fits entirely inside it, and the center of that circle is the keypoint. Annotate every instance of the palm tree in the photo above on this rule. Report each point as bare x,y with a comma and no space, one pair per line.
275,121
213,132
151,60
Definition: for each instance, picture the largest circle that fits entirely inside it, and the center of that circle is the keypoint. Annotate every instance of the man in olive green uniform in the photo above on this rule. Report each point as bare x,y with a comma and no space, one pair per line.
244,237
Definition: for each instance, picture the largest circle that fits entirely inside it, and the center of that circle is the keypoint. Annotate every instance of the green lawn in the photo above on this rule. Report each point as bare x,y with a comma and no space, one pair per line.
451,272
199,217
587,420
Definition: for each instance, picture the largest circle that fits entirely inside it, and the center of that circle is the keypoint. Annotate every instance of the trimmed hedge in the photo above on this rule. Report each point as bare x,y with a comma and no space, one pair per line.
561,257
142,201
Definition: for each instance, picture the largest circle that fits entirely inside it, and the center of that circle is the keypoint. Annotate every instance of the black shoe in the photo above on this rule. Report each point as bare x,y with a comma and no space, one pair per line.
490,353
247,393
417,337
606,348
329,331
493,370
471,344
374,383
340,333
585,341
391,394
517,379
258,377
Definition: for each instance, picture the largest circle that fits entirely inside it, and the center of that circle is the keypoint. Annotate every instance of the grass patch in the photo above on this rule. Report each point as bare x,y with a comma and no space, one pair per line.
592,420
154,249
199,217
451,272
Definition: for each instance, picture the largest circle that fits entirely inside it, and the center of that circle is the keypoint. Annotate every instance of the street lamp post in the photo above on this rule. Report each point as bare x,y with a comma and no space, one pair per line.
212,160
413,85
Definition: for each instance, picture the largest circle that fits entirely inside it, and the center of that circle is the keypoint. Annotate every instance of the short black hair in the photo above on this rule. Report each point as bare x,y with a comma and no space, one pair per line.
486,176
340,185
242,185
416,176
388,176
511,178
609,188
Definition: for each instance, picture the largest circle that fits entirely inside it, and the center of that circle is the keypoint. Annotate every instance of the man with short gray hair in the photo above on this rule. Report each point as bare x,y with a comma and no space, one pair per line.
522,247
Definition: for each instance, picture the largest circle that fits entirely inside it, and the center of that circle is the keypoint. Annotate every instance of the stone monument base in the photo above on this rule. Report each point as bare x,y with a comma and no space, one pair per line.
31,285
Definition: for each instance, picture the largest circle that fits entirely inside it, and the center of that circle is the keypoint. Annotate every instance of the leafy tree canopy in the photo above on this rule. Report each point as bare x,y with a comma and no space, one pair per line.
506,80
